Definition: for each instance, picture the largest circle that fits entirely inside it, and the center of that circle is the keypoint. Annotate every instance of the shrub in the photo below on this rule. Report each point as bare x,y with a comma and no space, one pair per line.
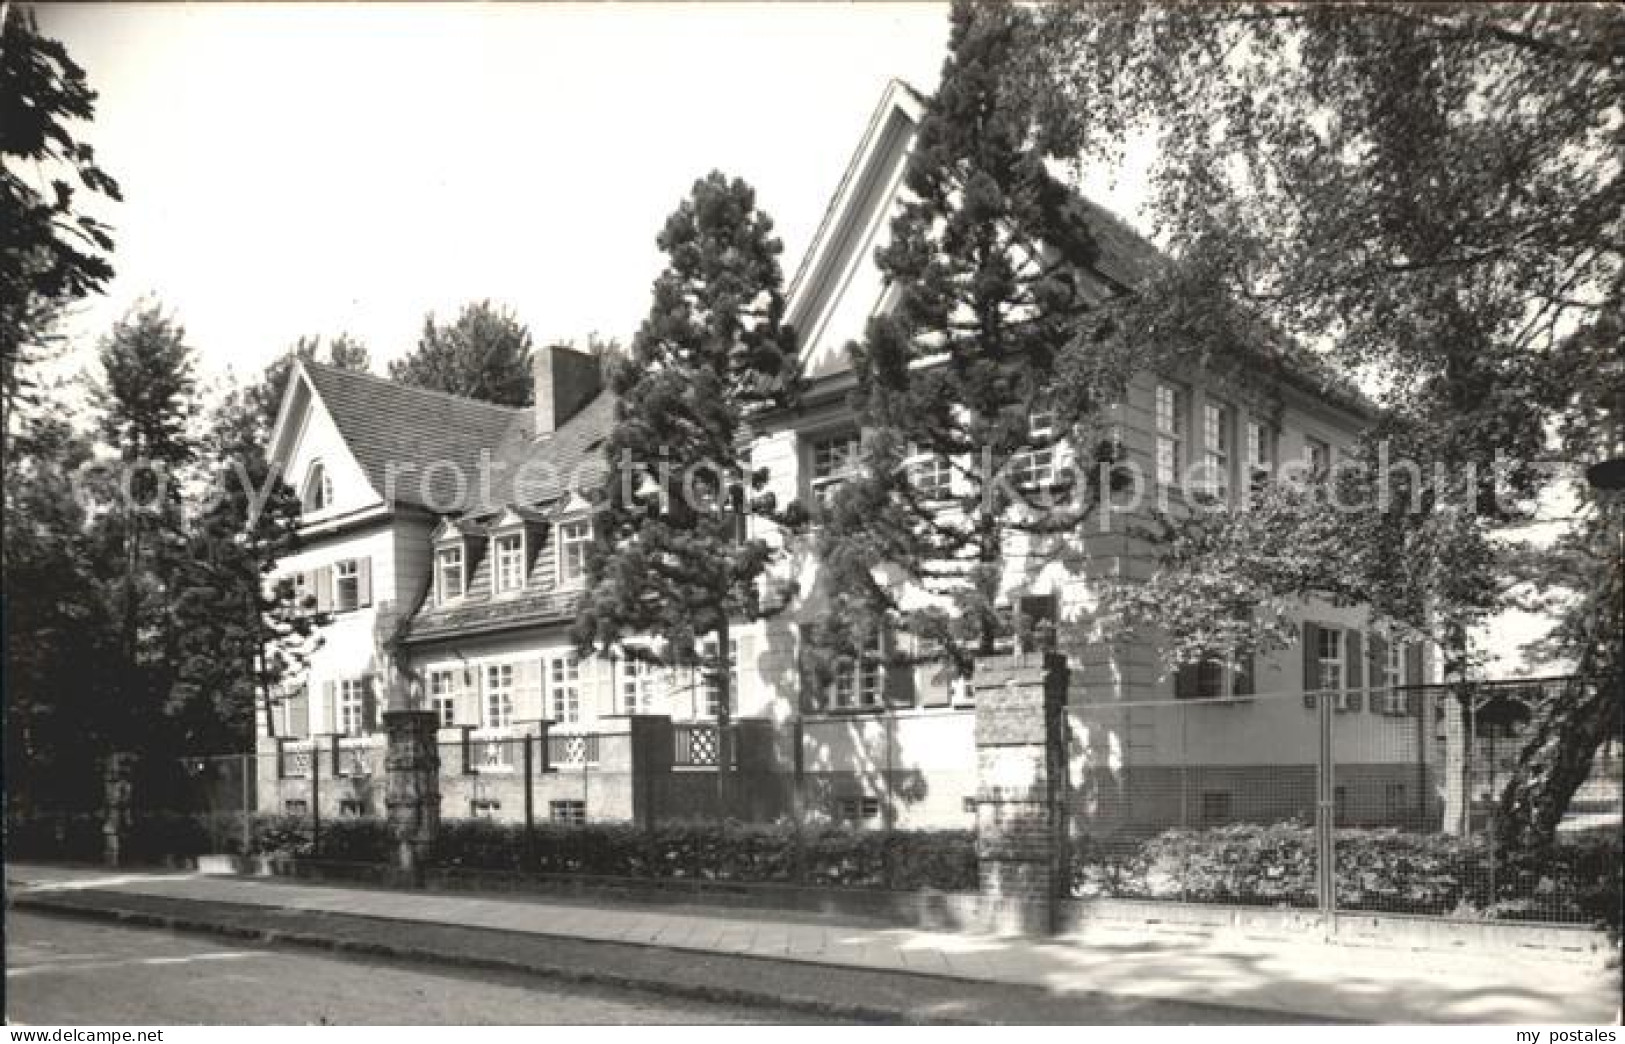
1388,871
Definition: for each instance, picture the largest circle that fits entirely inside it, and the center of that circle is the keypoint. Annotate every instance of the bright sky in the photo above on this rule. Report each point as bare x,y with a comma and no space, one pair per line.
310,169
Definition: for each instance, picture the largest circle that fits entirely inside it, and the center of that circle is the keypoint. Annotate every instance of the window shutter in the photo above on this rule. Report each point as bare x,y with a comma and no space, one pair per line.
1377,664
1413,676
322,580
598,685
299,714
527,702
1311,662
467,698
364,582
934,682
330,709
1242,682
745,673
898,679
1354,656
369,704
1185,682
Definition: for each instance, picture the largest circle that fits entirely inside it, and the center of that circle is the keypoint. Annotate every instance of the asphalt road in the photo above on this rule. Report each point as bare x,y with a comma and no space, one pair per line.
69,972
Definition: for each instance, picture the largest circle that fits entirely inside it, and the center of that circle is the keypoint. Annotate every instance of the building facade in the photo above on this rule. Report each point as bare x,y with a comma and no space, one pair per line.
448,539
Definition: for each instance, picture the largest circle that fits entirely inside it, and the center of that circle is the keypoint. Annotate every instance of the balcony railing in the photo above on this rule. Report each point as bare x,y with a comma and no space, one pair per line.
572,749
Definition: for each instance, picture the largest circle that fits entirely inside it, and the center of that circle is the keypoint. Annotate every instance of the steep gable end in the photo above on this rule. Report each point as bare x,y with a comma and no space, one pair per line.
306,443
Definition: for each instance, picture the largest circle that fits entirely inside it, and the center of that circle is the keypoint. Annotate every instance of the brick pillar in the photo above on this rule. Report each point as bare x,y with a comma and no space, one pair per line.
412,797
651,746
1021,844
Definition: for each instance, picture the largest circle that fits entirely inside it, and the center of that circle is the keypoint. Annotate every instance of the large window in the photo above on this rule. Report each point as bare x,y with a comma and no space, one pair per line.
635,690
834,460
443,697
499,696
859,684
713,691
1393,677
510,562
1170,433
574,537
347,585
1329,655
318,493
1036,467
565,685
1217,451
449,572
1260,454
352,706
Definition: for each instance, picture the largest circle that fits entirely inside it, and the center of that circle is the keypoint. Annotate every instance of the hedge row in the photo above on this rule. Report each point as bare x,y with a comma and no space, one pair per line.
1388,871
899,859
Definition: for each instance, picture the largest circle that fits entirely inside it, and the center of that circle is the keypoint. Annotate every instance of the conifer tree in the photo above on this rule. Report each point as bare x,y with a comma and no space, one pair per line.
484,354
997,356
672,560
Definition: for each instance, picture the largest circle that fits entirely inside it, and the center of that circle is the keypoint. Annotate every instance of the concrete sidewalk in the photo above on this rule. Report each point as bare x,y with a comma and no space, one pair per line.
1320,981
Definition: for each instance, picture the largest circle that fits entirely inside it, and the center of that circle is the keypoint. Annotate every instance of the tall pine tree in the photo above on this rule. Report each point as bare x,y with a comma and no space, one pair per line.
672,560
997,359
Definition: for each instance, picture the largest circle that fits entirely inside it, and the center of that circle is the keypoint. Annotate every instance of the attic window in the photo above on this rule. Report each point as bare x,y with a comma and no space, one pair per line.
510,562
573,540
449,565
318,488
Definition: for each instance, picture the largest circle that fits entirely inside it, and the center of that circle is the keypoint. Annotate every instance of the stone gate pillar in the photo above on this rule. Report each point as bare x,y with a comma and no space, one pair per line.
412,782
1021,768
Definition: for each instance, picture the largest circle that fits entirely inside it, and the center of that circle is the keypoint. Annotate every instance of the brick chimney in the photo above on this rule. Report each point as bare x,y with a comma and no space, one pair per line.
566,380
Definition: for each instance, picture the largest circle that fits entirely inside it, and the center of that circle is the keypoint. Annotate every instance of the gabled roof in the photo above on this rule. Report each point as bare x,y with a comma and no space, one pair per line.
1126,257
532,470
412,443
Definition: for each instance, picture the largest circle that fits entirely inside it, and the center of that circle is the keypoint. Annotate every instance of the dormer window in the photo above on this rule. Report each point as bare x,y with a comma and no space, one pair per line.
318,492
509,555
573,540
449,572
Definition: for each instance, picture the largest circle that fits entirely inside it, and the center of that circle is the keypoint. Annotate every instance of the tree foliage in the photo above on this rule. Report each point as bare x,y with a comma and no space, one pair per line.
672,559
51,254
998,321
485,353
1432,195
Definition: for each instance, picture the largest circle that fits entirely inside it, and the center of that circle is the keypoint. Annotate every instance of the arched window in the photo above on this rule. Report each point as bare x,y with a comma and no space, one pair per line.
318,488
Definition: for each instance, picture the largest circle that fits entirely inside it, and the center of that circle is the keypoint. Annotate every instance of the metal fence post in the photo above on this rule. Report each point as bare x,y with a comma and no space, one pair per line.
1326,815
250,763
315,801
530,802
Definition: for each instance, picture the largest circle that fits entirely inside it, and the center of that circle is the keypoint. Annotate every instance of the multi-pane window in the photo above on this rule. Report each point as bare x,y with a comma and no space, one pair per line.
713,691
346,585
499,695
352,706
443,697
301,590
565,685
636,697
859,683
574,537
510,562
930,474
1217,451
834,460
568,813
1260,453
1036,467
449,571
857,809
1170,433
1318,455
484,808
1329,655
